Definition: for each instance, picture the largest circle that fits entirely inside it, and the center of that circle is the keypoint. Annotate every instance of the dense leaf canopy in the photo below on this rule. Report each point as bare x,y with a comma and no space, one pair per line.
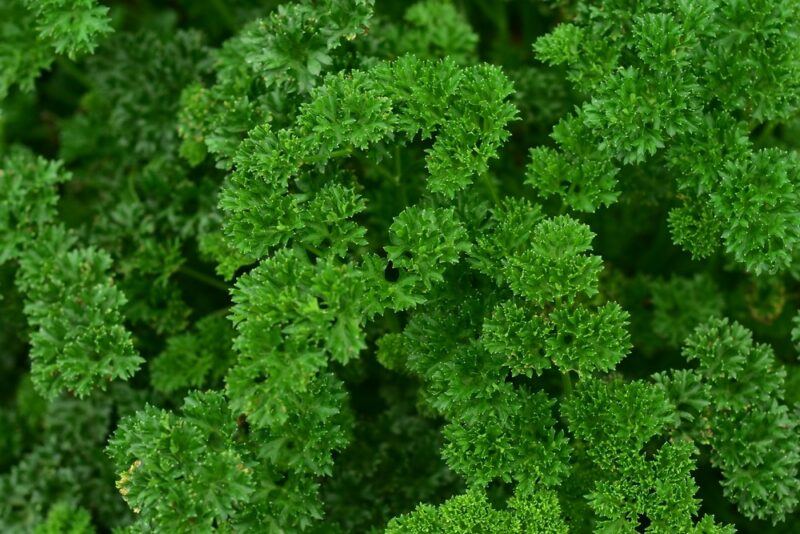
445,266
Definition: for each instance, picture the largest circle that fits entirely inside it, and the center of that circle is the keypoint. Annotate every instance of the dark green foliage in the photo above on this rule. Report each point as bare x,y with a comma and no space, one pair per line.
337,266
194,359
29,199
79,342
283,55
673,80
680,304
615,420
424,242
734,397
64,464
34,31
196,490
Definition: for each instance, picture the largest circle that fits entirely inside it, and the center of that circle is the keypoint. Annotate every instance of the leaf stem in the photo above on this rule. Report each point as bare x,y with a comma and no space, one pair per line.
132,187
498,17
312,249
202,277
69,68
221,311
491,187
566,382
398,176
225,14
342,152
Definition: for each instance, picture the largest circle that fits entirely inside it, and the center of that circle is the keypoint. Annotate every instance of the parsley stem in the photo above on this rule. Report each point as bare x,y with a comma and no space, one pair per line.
313,250
497,16
132,186
221,311
491,187
202,277
566,382
342,152
69,68
398,173
225,14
